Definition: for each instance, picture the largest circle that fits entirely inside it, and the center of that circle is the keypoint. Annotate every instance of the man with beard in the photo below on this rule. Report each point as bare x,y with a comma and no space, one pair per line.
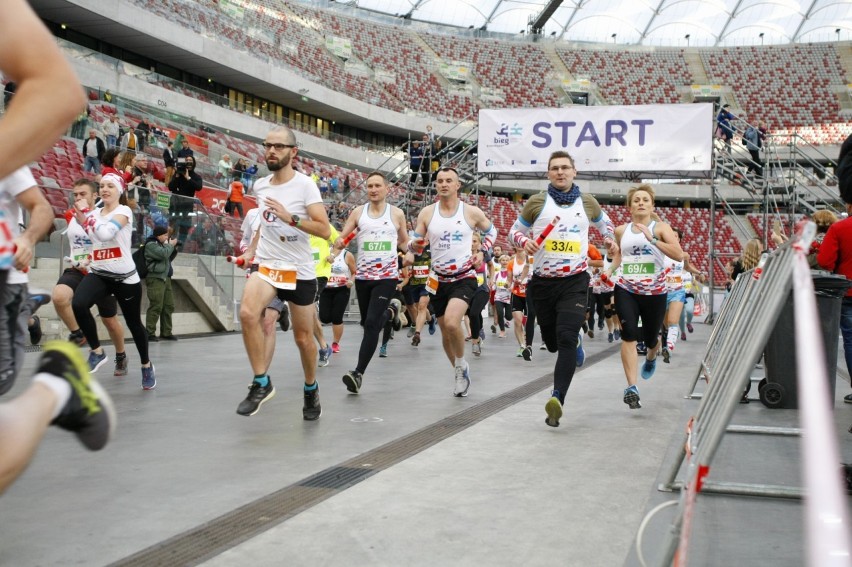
292,211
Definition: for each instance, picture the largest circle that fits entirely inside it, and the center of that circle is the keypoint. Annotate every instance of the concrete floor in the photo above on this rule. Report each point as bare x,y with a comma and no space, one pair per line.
507,490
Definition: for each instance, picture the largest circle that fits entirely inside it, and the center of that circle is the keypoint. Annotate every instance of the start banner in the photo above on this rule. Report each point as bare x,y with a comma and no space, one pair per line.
652,137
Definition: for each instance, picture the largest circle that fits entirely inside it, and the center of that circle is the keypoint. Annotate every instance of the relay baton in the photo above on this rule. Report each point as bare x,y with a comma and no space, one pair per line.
546,231
349,238
239,261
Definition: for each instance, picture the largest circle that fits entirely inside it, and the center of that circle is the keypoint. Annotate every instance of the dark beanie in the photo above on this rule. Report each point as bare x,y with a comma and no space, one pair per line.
160,230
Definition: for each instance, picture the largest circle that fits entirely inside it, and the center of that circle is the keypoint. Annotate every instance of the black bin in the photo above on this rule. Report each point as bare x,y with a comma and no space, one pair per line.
779,388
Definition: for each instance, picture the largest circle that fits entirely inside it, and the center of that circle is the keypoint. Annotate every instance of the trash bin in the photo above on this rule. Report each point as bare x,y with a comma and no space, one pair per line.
779,388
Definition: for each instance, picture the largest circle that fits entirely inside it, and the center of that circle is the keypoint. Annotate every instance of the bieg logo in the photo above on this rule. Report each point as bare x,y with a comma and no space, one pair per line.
505,134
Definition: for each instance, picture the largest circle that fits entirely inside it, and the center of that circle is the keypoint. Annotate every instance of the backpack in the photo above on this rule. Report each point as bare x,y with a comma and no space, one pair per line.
140,261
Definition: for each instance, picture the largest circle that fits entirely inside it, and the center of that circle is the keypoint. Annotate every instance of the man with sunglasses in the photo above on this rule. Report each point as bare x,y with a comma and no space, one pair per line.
291,211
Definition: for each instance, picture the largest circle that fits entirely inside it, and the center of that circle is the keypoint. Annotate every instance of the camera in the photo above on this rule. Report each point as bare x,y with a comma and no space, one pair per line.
181,164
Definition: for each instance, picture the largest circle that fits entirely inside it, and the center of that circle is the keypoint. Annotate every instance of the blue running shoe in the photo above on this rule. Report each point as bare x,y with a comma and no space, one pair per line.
648,368
581,354
96,361
432,327
324,356
383,351
149,379
631,397
617,334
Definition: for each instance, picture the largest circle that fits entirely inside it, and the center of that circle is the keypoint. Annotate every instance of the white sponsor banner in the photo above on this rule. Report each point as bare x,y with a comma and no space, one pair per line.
652,137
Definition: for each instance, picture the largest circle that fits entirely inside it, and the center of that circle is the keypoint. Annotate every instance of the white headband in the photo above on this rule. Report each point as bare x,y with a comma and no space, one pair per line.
116,180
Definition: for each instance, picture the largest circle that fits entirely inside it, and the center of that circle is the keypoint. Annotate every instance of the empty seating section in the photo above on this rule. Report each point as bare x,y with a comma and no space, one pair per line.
788,87
631,77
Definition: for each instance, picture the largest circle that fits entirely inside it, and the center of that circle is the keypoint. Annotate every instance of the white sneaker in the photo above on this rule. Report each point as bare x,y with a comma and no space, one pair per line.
462,381
542,347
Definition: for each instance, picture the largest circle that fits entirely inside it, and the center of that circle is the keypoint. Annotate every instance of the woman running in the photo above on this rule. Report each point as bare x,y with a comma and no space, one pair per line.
644,244
502,295
480,296
519,275
111,272
676,297
335,296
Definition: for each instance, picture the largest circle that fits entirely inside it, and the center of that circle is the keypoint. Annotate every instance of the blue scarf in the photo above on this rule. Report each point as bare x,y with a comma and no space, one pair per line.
563,197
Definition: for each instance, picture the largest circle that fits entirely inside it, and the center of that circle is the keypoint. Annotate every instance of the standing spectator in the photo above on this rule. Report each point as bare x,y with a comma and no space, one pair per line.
160,250
334,184
239,169
415,158
235,198
223,172
430,134
346,186
141,181
752,142
185,151
93,151
169,162
323,185
110,128
129,142
185,184
143,129
78,129
727,129
426,162
250,176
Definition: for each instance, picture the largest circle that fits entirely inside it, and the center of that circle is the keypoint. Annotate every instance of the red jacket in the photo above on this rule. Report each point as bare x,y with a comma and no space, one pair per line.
835,252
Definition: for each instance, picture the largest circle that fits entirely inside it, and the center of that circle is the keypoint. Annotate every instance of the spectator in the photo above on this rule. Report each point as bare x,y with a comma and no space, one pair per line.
169,162
160,250
107,96
323,185
185,184
753,141
224,169
334,184
430,134
78,128
823,220
235,198
346,186
129,142
185,151
205,236
111,161
239,169
835,255
110,129
726,129
143,130
141,180
250,176
93,151
415,159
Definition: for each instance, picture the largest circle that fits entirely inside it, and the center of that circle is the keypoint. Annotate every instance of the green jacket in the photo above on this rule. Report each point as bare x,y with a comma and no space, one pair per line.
157,257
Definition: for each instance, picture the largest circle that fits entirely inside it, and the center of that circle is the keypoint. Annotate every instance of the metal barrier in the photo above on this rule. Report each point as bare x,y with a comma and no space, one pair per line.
741,332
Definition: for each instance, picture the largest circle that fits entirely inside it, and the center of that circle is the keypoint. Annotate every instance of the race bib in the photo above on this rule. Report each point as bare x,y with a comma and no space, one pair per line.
432,285
480,279
421,271
568,248
637,270
377,246
106,255
78,255
338,281
674,280
280,274
316,254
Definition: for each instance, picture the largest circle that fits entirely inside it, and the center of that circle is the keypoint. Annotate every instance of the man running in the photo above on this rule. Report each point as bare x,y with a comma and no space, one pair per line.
292,210
448,225
381,232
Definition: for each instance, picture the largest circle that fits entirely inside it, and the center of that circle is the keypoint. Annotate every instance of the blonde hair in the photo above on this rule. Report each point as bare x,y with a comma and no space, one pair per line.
823,220
751,254
644,187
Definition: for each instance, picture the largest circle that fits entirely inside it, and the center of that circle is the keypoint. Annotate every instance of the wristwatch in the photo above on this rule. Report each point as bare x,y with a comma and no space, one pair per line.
295,220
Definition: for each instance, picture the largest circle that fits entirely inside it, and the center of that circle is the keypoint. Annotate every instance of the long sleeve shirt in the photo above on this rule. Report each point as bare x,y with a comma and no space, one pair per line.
835,252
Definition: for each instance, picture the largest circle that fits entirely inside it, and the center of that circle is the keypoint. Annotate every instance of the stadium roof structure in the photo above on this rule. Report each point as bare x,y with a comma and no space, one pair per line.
633,22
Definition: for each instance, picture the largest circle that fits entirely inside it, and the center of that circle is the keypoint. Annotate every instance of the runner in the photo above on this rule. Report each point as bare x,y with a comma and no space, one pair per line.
480,296
335,297
676,297
519,276
641,291
560,281
449,225
291,210
381,231
502,295
320,248
416,293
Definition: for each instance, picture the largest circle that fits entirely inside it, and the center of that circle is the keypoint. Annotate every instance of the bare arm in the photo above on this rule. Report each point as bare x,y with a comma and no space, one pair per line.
348,226
41,219
48,97
401,232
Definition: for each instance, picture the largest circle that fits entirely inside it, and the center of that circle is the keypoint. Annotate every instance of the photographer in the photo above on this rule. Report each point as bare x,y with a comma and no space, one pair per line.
185,184
160,250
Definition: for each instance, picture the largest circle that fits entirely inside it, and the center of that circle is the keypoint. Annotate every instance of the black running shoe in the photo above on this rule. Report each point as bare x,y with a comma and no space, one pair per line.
35,330
352,379
89,412
666,356
311,410
527,353
256,397
284,318
78,338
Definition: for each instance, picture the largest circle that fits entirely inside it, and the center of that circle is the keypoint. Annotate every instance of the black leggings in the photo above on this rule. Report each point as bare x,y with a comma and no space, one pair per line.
332,304
92,289
529,329
504,313
474,312
373,300
630,307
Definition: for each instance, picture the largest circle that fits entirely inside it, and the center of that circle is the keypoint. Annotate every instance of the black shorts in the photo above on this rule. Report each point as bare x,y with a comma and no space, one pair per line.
459,289
519,303
304,294
107,307
413,293
321,283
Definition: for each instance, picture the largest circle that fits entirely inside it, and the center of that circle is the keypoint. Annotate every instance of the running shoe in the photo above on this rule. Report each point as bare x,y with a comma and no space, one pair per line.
553,409
383,351
284,319
600,325
543,346
591,333
324,356
462,381
432,325
120,365
415,340
396,314
311,409
610,338
256,397
666,356
149,379
335,348
689,327
481,334
493,329
89,411
581,354
520,352
631,397
616,334
526,352
501,336
848,398
352,379
78,338
35,330
641,349
648,368
477,349
96,360
411,331
683,336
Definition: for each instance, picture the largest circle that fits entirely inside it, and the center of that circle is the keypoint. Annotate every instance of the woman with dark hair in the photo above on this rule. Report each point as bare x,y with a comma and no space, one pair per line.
111,272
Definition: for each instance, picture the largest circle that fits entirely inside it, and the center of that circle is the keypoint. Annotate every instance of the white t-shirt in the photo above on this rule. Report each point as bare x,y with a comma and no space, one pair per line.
114,255
280,242
10,187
